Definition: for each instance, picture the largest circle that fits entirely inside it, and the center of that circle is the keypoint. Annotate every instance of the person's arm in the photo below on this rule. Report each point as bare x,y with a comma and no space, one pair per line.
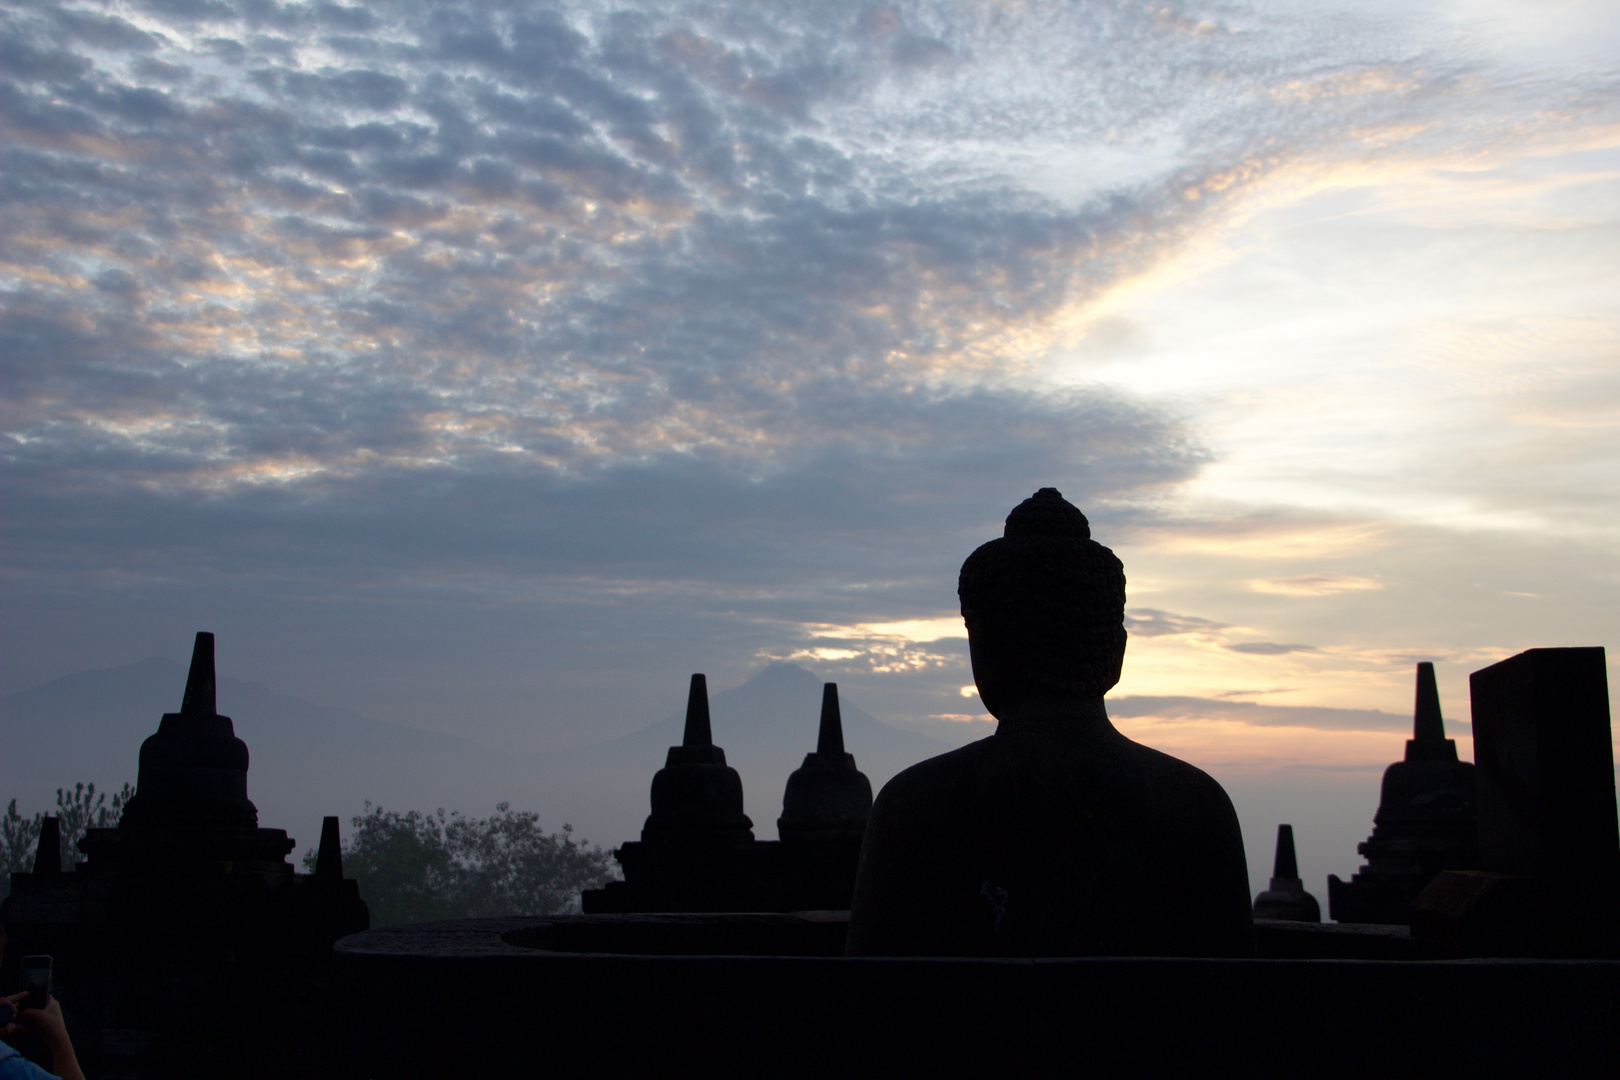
48,1022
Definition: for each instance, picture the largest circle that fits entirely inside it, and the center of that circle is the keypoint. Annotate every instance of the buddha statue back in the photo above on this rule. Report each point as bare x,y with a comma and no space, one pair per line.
1057,835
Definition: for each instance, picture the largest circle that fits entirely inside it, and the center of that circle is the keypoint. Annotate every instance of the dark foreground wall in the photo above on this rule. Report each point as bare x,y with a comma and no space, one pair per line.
468,997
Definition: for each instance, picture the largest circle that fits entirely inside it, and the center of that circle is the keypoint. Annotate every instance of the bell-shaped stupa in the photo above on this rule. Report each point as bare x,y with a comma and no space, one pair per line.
1426,822
696,796
697,850
827,794
194,769
191,806
1286,898
824,811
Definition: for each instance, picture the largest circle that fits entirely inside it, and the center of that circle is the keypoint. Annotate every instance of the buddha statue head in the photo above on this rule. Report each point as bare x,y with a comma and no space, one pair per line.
1045,609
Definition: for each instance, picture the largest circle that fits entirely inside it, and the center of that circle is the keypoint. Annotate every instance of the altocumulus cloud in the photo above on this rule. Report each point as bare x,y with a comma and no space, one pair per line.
649,292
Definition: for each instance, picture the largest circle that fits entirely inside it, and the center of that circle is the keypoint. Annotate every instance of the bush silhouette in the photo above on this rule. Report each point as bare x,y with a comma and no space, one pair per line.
417,867
79,808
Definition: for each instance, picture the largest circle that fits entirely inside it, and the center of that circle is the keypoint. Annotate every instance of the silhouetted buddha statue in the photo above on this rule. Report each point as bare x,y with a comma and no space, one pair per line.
1057,835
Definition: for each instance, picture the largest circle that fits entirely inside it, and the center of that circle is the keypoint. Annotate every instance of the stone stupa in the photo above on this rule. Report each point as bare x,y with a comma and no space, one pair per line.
824,810
1286,898
1426,822
697,799
697,850
190,803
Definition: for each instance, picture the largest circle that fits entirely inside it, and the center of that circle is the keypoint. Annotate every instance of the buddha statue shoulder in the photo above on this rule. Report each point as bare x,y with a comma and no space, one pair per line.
1057,835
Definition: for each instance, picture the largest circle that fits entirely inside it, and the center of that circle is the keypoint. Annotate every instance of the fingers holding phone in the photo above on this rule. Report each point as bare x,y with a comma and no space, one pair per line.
36,1010
16,1014
48,1022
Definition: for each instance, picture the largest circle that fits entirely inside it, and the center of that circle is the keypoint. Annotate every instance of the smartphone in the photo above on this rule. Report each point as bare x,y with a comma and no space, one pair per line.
36,978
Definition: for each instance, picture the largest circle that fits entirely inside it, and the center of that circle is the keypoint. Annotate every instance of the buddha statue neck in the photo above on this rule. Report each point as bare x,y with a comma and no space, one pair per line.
1086,715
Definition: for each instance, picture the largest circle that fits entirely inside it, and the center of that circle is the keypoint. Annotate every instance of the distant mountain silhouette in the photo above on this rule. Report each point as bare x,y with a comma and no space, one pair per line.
308,760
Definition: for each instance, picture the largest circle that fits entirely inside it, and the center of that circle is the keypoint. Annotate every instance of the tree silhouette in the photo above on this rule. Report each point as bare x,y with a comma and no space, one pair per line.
78,809
416,867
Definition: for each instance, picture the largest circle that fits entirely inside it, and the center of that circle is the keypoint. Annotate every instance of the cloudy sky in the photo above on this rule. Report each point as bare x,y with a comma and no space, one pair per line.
490,367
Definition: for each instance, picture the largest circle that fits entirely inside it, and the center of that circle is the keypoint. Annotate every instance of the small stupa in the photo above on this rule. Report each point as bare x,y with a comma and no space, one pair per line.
1426,822
191,803
824,811
827,794
696,796
1286,898
697,850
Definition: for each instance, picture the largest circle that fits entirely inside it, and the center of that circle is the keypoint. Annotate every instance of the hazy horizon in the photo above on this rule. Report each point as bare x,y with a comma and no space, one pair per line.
309,761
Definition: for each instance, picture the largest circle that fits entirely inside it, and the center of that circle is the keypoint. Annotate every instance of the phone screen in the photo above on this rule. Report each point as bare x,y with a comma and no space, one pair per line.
36,977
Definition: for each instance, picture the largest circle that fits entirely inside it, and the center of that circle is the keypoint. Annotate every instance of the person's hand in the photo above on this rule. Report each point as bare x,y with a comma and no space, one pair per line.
15,1001
47,1021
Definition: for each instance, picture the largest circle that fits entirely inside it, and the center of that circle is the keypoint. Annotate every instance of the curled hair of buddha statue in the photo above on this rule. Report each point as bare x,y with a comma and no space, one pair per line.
1045,604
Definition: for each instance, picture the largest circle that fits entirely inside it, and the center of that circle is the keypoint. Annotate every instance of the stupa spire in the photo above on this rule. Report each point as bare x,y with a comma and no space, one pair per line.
329,858
698,732
1428,742
1426,723
831,738
1285,865
48,854
199,699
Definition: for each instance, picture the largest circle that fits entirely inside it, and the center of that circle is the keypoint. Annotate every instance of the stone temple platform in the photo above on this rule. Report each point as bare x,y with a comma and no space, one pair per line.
771,995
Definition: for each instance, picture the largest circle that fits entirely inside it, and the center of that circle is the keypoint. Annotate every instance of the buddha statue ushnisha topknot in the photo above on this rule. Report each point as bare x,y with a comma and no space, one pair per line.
1057,835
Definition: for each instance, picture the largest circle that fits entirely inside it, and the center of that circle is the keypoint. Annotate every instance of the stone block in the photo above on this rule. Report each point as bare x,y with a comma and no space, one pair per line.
1546,792
1464,913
